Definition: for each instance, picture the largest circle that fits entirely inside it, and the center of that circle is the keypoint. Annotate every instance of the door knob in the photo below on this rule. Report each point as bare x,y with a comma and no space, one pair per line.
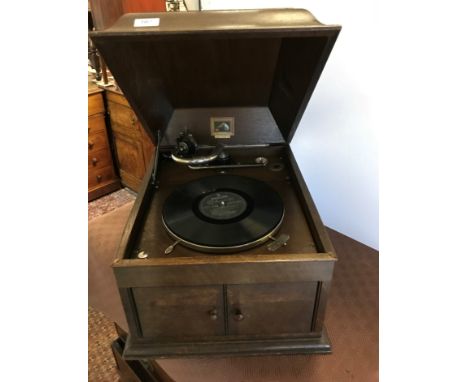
238,316
213,314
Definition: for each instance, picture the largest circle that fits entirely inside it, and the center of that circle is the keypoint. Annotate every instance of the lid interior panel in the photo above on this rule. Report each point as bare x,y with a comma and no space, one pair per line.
195,71
293,79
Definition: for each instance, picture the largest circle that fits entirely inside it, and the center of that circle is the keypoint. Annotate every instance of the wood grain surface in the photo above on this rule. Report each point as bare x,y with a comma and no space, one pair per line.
102,178
187,64
134,148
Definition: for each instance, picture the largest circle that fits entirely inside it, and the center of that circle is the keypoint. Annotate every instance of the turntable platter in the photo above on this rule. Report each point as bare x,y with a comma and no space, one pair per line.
223,213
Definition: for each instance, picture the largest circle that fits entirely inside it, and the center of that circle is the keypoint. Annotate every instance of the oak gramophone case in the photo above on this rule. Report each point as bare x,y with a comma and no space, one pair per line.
224,252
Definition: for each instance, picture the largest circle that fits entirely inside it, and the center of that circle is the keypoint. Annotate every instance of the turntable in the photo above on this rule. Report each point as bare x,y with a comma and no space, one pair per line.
224,252
222,214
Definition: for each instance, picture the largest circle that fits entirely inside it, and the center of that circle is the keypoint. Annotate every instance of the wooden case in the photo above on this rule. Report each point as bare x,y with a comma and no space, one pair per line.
259,68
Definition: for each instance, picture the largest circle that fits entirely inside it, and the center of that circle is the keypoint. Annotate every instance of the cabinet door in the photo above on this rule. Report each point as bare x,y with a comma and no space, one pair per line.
180,311
123,119
271,309
131,160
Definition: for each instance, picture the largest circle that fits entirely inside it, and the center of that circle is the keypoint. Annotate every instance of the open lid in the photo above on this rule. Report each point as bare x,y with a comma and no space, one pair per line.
212,70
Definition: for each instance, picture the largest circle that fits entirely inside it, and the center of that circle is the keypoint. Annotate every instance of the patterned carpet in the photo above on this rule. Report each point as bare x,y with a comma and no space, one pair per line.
109,202
101,333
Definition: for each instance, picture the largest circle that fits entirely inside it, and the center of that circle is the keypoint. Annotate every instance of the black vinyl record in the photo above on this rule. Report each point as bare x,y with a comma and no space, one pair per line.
223,211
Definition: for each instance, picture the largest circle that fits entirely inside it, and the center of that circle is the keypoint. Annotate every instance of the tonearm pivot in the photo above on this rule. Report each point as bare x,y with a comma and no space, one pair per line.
218,151
186,148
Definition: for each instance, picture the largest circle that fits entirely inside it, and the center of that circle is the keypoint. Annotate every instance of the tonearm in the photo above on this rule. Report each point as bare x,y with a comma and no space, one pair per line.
186,148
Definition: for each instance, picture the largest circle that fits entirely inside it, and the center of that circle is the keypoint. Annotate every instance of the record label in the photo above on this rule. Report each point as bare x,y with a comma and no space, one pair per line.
222,205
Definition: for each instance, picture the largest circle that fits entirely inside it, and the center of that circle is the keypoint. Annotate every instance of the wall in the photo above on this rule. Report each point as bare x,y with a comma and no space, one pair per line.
336,142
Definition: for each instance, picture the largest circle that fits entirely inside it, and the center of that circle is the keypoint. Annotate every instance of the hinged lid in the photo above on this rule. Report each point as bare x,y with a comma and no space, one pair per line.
255,69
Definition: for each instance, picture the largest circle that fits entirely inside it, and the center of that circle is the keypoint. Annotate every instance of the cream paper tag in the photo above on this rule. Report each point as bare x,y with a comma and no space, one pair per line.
141,23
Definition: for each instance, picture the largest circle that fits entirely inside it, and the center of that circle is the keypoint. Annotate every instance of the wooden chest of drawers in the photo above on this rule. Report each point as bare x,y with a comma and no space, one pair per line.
134,148
101,174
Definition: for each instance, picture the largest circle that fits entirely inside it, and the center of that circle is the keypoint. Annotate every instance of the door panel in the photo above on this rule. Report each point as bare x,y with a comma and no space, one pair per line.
180,311
131,160
271,308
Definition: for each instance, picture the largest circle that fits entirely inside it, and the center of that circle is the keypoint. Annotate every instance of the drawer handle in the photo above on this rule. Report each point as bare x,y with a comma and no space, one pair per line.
94,160
213,314
90,144
238,316
99,178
